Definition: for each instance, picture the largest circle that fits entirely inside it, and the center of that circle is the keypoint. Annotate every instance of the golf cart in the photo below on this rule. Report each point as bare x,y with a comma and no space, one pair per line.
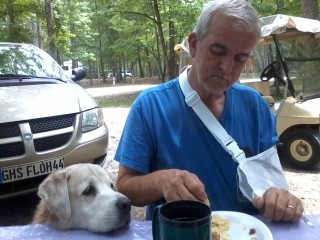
288,58
285,69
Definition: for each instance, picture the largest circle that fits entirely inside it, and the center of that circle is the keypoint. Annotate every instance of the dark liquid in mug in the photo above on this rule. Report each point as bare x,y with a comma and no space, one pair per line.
184,219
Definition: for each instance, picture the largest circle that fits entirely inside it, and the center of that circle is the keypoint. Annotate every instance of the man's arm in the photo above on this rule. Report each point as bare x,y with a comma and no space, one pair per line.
172,184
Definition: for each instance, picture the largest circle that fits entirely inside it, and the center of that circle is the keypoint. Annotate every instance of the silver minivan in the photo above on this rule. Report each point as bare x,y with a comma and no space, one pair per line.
47,120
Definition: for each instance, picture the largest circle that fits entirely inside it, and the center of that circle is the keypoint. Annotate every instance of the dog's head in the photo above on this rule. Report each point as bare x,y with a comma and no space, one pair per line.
83,196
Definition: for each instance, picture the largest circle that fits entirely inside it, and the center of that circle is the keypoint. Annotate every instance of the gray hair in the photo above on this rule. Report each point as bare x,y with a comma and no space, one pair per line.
246,16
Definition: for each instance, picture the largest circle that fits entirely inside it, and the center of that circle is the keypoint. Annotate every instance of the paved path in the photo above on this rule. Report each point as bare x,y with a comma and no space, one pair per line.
117,90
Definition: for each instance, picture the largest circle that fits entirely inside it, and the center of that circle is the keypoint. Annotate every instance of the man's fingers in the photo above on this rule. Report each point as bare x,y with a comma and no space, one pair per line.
281,205
270,202
258,203
196,187
184,185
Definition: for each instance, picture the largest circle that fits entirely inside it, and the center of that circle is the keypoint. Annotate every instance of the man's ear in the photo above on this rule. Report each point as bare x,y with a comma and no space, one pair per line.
192,40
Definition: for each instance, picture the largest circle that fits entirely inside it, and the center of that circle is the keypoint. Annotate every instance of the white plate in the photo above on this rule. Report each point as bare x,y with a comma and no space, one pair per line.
241,224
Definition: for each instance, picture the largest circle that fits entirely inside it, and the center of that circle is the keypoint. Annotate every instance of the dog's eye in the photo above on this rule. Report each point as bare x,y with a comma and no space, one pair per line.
89,191
112,186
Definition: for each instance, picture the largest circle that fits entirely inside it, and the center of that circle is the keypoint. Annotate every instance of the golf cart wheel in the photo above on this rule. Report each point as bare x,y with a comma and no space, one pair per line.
302,148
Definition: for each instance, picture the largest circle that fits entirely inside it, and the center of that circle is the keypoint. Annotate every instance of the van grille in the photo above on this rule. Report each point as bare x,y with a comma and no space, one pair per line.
9,130
11,149
48,143
37,126
49,124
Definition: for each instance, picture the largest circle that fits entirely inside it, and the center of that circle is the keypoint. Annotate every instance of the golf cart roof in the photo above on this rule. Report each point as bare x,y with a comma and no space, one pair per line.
285,27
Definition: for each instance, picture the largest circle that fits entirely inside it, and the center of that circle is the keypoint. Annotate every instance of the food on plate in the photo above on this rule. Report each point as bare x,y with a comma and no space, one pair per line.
252,231
220,227
207,202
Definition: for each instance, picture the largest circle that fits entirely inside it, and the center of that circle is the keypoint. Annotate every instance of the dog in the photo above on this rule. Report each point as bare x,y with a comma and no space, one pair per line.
81,196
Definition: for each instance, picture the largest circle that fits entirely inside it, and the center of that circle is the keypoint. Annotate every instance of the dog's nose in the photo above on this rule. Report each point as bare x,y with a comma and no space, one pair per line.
123,203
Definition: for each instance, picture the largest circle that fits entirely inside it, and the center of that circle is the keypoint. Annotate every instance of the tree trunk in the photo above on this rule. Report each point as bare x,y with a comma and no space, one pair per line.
280,5
11,19
310,9
99,45
73,41
172,55
150,72
39,33
162,41
141,70
50,18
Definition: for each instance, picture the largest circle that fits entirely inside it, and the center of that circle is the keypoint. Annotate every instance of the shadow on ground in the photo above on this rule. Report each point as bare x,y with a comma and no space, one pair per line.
19,210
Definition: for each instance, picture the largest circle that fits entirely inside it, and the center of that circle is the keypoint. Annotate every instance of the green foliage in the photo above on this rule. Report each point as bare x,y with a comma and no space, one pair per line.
265,8
125,100
16,17
113,34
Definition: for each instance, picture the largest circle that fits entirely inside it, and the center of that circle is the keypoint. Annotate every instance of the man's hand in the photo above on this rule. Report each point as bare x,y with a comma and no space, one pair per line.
182,185
279,205
172,184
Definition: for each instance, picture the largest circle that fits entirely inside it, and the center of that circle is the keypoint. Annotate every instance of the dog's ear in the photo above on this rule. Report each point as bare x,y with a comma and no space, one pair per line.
54,192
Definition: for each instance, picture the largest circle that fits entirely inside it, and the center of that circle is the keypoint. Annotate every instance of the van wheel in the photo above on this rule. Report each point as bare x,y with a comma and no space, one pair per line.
302,148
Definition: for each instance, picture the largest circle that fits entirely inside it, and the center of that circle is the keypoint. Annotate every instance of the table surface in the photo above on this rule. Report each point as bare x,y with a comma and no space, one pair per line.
142,230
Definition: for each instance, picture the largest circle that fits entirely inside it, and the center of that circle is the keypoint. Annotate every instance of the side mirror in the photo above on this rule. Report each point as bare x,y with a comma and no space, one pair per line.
78,74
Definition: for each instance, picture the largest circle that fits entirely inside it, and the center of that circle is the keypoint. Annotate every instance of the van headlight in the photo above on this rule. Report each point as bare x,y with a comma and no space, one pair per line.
92,119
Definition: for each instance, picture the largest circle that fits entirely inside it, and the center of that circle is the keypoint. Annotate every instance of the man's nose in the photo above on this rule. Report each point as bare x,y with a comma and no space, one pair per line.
226,64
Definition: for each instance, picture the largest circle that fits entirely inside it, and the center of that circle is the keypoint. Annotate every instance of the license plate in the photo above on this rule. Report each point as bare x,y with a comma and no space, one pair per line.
34,169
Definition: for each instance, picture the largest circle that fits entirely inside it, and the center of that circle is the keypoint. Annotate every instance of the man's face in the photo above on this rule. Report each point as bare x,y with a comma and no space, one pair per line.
221,55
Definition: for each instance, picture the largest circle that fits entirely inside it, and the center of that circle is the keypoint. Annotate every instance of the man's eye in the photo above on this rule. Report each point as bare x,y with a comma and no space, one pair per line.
218,51
242,58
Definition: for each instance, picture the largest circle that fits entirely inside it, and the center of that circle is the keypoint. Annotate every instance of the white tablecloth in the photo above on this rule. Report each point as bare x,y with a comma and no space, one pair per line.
142,230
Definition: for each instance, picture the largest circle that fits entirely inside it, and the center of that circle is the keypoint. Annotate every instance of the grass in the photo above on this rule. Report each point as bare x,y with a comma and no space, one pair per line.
124,100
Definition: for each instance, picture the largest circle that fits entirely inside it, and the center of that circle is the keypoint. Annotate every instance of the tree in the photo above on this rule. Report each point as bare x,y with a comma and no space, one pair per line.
51,28
115,35
310,9
15,18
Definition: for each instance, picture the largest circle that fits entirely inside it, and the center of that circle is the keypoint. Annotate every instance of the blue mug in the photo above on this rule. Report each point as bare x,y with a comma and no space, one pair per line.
182,220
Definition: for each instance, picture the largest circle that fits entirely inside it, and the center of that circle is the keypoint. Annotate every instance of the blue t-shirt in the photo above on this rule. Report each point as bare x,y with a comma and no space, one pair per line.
162,132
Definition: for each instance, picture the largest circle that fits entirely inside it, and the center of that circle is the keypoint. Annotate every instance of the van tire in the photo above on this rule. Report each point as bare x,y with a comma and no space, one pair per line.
302,148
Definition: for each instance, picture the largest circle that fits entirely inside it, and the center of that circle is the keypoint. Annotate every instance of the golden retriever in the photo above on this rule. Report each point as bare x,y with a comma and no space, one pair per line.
81,196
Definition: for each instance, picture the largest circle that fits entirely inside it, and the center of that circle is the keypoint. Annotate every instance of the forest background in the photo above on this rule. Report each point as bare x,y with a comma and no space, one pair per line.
111,36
